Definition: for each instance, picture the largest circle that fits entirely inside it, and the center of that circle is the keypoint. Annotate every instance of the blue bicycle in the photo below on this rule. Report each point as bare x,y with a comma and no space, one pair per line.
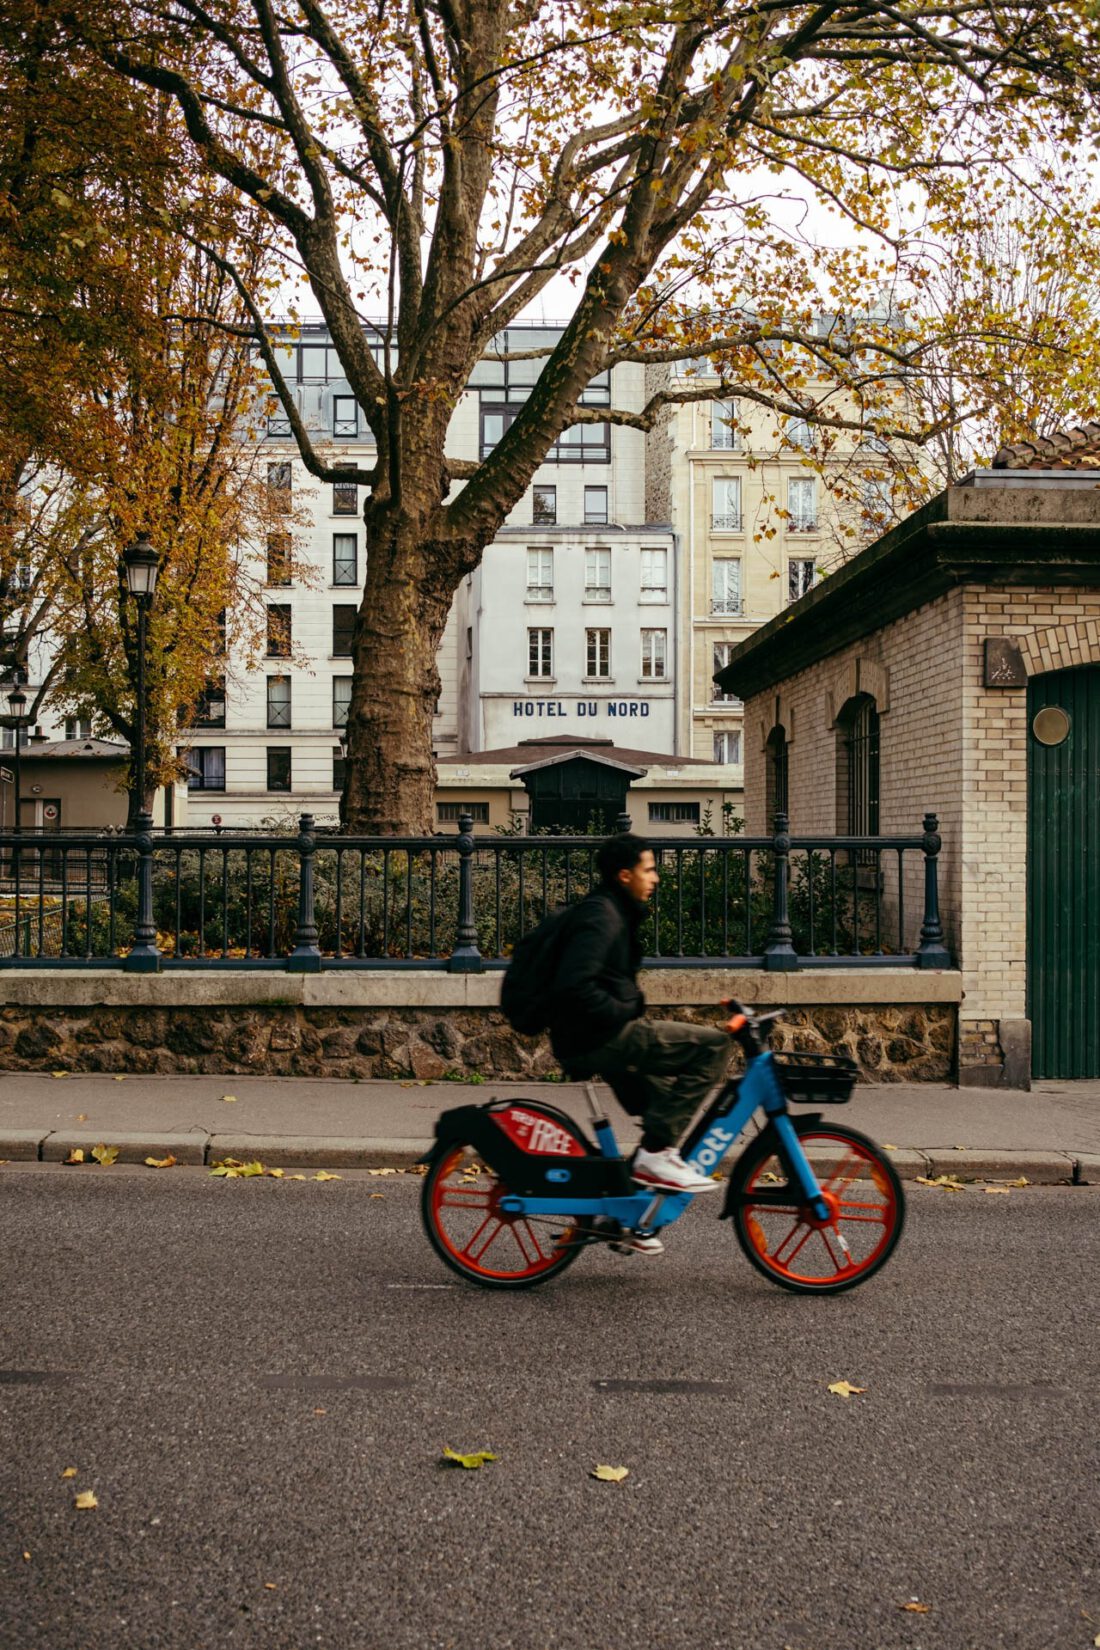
516,1191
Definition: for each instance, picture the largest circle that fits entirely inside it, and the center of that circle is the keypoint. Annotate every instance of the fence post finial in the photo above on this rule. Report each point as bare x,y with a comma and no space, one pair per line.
932,952
465,958
306,956
779,953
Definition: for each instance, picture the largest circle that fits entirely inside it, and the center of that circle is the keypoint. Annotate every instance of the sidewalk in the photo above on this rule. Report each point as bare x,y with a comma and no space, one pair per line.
1050,1136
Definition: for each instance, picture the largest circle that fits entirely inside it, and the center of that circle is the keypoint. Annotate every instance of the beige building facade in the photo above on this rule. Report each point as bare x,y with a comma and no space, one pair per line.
946,638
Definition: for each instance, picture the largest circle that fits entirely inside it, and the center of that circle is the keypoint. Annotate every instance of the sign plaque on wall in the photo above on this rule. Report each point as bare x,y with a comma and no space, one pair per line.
1004,664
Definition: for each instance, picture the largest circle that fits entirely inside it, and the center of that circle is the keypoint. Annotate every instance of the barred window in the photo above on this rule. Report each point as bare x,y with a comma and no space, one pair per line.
345,558
278,701
341,700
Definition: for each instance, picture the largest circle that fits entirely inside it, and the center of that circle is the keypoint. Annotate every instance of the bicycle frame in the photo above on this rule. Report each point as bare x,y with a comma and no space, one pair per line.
711,1141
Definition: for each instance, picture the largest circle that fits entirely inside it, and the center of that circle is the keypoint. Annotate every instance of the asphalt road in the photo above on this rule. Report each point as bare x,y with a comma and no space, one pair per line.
257,1378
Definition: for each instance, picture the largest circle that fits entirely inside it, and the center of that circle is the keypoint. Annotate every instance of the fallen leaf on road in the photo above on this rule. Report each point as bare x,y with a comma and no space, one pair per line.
231,1168
105,1154
610,1475
85,1501
994,1190
70,1472
845,1389
320,1412
75,1156
160,1162
26,1556
276,1174
295,1177
1022,1181
272,1586
476,1459
381,1171
946,1182
377,1194
915,1607
230,1099
323,1174
1096,1641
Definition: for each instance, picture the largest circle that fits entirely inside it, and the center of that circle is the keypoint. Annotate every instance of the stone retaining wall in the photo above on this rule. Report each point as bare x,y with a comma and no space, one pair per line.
254,1028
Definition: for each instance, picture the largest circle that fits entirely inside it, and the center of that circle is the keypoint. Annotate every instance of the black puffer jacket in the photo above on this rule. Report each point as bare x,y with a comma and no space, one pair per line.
595,991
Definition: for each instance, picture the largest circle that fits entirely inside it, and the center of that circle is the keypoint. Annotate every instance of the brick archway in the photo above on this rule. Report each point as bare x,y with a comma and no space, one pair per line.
1061,647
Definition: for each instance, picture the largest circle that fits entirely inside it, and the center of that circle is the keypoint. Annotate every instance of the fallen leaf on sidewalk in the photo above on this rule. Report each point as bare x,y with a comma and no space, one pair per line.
230,1099
82,1117
381,1171
887,1148
915,1607
85,1501
995,1190
962,1148
477,1458
276,1174
323,1174
75,1156
295,1177
105,1154
120,1079
70,1472
610,1475
160,1162
59,1074
845,1389
1022,1181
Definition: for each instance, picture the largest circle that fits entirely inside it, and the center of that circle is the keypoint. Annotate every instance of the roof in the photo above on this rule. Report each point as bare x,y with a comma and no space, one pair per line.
101,750
1077,449
1013,534
561,747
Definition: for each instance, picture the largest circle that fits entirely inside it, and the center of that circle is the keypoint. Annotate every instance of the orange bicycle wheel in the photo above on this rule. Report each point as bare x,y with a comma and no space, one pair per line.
791,1245
475,1237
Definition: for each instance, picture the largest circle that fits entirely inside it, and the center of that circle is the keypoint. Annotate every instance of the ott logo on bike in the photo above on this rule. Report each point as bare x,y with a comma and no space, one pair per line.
714,1148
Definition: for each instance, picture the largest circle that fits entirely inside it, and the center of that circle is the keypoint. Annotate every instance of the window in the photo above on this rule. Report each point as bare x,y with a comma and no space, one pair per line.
278,767
597,575
540,653
313,363
540,575
278,558
345,498
278,632
775,773
727,746
800,577
595,506
278,702
726,586
279,477
801,504
494,422
345,415
339,768
78,727
674,813
210,709
799,433
582,444
343,629
544,506
726,505
654,651
345,558
449,813
720,658
597,653
877,504
654,576
277,425
858,766
206,768
723,437
341,700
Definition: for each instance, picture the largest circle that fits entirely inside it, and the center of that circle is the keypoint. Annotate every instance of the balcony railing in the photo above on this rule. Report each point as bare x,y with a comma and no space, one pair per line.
315,900
726,521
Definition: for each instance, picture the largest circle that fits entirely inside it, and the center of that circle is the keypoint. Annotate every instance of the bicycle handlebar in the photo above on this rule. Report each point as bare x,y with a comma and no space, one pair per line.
744,1026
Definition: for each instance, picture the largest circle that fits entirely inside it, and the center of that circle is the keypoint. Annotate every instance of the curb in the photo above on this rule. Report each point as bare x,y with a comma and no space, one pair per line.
352,1152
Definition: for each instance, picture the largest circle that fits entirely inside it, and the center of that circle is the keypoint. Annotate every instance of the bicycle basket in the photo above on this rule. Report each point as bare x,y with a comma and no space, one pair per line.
821,1079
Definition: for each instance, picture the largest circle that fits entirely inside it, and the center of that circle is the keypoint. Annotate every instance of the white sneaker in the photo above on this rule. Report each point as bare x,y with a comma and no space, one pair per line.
638,1243
667,1171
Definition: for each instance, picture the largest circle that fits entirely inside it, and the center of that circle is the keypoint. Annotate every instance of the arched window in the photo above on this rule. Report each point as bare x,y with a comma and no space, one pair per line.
775,763
857,754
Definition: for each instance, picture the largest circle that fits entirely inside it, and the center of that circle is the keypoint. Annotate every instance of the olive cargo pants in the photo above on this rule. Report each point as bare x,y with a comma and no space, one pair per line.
659,1070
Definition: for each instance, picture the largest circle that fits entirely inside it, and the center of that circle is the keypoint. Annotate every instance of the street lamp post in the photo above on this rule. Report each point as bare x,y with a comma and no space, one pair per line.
17,705
140,563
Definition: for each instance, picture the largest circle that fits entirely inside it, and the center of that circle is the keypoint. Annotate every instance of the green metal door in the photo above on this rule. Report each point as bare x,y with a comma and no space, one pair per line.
1063,872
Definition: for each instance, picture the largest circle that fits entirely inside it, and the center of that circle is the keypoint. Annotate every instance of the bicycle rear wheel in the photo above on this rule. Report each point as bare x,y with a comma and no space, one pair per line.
475,1237
781,1236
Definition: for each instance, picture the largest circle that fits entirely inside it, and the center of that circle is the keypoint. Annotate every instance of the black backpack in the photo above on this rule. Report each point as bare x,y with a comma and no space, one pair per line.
525,991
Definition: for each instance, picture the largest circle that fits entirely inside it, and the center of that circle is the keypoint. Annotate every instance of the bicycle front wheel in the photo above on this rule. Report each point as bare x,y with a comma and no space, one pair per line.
791,1245
475,1237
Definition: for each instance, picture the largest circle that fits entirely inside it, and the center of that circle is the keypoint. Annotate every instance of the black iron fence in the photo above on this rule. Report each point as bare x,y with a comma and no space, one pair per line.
318,900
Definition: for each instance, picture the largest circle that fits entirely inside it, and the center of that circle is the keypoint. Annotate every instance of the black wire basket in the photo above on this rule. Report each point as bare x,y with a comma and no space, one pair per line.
817,1079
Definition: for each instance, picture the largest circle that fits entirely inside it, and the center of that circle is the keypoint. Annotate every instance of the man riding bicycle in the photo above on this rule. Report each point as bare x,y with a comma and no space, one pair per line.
659,1070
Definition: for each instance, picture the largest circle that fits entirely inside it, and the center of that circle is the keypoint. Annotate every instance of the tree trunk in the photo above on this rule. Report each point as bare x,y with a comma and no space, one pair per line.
389,788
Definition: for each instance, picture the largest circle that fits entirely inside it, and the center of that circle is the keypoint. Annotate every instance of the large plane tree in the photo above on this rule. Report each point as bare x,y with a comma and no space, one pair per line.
673,179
